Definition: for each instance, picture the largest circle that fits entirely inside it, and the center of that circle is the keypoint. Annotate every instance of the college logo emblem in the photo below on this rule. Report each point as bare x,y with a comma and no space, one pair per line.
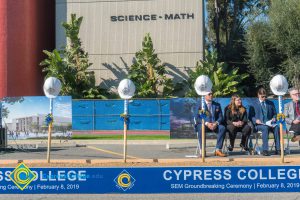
22,176
124,180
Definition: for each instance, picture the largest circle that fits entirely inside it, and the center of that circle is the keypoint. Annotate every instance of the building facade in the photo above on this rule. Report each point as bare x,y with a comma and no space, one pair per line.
36,122
112,32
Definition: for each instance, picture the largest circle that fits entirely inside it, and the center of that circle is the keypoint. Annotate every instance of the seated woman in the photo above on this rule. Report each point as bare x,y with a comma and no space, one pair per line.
236,119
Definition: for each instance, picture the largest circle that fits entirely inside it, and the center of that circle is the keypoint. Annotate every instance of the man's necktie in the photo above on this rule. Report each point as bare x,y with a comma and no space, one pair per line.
265,112
209,110
209,107
297,109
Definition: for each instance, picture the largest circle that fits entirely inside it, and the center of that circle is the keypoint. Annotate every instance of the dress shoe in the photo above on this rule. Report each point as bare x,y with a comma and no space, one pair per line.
230,148
278,152
266,153
244,147
295,138
219,153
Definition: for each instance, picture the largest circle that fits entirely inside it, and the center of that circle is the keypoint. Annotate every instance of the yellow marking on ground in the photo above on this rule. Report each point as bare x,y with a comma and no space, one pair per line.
111,152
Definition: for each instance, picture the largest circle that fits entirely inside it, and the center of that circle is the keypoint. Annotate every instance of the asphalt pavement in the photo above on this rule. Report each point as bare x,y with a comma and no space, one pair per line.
113,149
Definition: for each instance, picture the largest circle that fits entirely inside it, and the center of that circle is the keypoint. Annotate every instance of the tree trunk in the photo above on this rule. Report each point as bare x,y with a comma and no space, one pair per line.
217,26
226,21
234,24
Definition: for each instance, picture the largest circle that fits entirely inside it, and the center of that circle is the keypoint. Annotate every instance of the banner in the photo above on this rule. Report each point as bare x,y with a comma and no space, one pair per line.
183,111
25,117
149,180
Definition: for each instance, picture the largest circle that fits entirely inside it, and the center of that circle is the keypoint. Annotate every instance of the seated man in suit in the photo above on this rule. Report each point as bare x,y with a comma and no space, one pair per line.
262,111
292,113
213,123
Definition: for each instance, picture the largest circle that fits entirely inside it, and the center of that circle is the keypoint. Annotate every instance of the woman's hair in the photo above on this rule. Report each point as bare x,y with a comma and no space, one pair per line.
233,107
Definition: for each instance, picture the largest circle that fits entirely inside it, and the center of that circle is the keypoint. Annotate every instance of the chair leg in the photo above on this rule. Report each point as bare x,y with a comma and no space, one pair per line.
241,142
248,141
273,144
256,141
250,145
225,146
256,146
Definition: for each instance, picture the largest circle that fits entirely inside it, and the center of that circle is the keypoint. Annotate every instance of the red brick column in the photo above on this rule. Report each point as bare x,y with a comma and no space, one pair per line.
3,48
29,29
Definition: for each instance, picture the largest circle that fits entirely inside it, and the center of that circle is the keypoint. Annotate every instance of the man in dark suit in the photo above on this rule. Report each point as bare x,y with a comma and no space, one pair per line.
262,111
213,123
292,113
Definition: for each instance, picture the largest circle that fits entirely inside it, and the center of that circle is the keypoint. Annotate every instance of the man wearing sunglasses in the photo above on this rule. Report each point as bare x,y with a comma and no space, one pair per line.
263,111
292,113
213,123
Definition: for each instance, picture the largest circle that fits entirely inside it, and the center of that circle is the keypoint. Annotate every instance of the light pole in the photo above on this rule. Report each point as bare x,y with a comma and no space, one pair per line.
279,87
202,86
51,88
126,91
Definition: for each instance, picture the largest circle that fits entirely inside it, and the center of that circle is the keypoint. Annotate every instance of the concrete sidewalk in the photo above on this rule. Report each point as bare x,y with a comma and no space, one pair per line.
94,141
172,143
209,161
147,152
56,143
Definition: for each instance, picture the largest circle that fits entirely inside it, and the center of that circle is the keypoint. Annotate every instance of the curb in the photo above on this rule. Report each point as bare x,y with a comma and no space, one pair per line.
261,161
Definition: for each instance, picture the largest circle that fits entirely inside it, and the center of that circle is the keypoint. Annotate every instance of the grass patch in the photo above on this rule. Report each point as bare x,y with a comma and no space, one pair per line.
119,137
